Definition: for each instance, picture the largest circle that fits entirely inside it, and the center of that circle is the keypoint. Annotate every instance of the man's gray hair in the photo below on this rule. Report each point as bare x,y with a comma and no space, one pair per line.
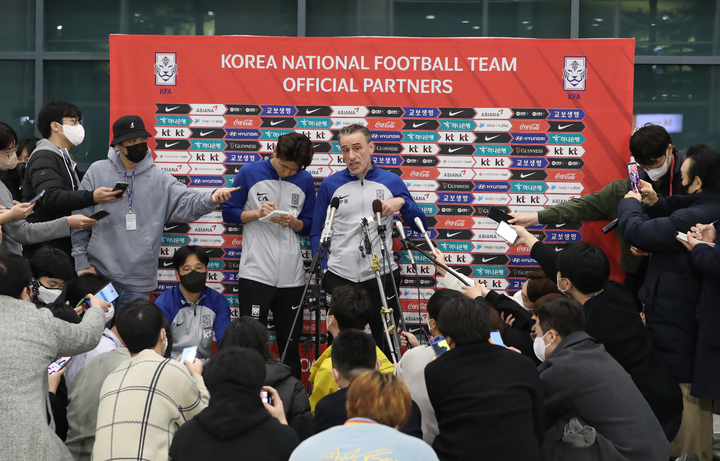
356,128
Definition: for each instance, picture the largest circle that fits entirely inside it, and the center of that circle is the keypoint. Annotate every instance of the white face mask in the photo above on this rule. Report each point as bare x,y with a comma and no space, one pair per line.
517,297
8,163
74,133
558,285
165,345
47,295
539,347
657,173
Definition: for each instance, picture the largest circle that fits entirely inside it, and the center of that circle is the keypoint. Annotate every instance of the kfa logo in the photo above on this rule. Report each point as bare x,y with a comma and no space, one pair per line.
262,196
574,74
380,194
166,69
296,199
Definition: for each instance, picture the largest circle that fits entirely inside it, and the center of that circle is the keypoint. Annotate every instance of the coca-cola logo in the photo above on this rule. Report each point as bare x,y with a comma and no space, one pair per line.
565,176
237,241
530,126
413,307
385,125
420,174
243,122
456,223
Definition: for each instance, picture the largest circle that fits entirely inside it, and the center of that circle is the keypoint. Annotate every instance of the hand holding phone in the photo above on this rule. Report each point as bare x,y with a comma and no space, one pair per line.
634,178
188,354
122,187
58,364
99,215
439,345
37,197
497,338
506,232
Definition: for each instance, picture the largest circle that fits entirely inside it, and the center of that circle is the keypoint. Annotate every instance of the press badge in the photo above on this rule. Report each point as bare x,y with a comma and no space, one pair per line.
130,222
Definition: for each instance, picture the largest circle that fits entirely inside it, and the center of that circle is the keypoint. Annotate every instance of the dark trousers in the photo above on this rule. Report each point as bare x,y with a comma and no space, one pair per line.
255,299
332,281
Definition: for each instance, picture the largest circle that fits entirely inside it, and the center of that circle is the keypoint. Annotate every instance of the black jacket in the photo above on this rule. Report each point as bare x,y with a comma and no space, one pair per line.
294,397
517,335
331,411
672,285
612,319
235,423
488,404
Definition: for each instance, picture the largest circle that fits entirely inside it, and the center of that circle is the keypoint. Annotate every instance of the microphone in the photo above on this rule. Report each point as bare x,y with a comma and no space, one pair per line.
377,210
419,224
401,230
327,230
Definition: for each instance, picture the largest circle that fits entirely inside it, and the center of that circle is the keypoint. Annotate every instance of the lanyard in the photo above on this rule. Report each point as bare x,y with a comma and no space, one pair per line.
672,167
130,190
72,170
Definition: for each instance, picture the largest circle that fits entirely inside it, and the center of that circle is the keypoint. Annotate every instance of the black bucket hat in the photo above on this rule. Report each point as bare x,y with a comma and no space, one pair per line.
128,127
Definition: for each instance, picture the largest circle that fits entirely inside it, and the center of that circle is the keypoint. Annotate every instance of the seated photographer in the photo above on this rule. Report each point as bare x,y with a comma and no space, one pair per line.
593,409
51,269
353,353
237,424
583,273
377,404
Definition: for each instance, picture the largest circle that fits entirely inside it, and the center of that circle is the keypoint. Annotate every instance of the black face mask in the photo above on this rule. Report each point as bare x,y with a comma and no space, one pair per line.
136,152
193,281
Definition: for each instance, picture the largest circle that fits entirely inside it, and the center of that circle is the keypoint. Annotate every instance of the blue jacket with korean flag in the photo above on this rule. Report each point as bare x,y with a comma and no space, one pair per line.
271,253
195,324
356,197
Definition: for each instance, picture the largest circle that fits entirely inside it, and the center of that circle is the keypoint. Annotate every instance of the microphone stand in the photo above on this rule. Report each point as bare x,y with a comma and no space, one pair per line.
391,334
433,259
384,253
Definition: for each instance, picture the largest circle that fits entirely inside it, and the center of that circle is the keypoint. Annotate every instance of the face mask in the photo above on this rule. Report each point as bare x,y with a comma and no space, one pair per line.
558,286
657,173
74,133
193,281
165,345
539,347
137,152
517,297
47,295
8,163
110,313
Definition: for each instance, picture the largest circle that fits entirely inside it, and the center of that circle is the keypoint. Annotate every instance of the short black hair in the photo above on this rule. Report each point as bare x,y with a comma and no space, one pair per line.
465,320
439,299
15,274
51,262
351,307
353,352
705,164
241,366
8,137
248,332
139,323
560,313
85,283
63,312
183,253
295,147
26,143
585,265
168,334
649,143
55,111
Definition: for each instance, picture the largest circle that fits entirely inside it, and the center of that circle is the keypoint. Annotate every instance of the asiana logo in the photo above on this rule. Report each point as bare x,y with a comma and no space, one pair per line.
166,69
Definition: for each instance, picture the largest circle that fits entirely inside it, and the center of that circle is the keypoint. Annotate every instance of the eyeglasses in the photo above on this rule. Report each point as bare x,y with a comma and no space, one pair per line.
9,151
186,270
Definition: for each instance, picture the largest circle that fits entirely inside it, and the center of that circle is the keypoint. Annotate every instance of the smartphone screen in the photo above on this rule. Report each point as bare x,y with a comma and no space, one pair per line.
58,365
265,397
506,232
188,354
634,178
37,197
439,345
108,293
497,339
121,186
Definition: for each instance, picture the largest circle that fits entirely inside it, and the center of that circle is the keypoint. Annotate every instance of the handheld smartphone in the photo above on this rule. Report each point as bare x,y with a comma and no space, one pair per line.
235,189
188,354
497,338
612,225
37,197
439,345
99,215
634,178
497,215
108,293
58,365
120,186
506,232
266,397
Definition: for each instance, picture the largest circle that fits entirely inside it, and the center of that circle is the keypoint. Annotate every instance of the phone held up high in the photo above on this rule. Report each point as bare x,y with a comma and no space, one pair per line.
634,177
266,397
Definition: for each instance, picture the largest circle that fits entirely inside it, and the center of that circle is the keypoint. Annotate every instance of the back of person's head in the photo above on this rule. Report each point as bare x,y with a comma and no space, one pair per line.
356,128
51,262
465,320
351,307
353,352
563,314
248,332
539,285
168,333
438,300
63,312
15,275
705,164
382,397
182,254
55,111
295,147
649,143
140,323
235,365
8,137
585,265
86,283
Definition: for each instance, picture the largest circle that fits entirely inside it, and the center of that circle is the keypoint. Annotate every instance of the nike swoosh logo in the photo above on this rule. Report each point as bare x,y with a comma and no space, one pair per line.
167,228
490,138
308,111
205,133
295,307
562,127
452,114
558,250
526,175
488,259
178,324
235,289
171,144
453,234
275,122
343,196
270,327
418,125
451,150
167,264
560,225
170,109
